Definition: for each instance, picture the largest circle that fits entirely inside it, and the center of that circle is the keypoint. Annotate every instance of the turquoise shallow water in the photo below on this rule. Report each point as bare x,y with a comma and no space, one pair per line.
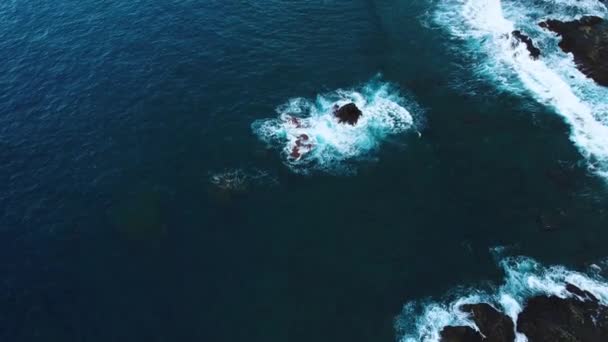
117,118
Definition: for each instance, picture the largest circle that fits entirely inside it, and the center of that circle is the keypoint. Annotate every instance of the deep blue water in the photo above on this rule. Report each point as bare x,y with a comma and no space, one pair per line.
115,114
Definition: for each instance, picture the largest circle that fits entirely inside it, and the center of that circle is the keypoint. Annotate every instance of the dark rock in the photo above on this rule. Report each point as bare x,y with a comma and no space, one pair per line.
550,318
534,51
494,325
582,294
460,334
587,40
349,113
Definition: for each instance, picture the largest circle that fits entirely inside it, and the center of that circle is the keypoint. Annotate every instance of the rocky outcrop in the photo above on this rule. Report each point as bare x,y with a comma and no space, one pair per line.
460,334
534,51
550,318
578,318
587,40
494,325
349,113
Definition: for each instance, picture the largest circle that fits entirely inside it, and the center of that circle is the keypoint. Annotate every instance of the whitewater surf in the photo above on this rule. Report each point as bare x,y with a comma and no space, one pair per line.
486,29
423,320
310,137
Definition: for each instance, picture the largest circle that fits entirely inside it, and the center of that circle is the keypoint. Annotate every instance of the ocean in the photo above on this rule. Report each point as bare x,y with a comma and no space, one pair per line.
149,190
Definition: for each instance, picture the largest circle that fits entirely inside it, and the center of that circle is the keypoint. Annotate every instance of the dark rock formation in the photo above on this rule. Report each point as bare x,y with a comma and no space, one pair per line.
460,334
577,319
349,113
587,40
494,325
534,51
582,294
580,318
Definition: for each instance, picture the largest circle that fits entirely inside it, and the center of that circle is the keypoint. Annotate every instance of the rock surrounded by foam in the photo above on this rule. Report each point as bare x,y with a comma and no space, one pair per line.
551,318
349,113
578,317
494,325
587,40
337,129
534,51
546,303
556,80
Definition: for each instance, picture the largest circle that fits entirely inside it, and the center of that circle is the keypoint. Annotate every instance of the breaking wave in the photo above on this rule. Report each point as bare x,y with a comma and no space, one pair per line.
524,278
311,138
486,25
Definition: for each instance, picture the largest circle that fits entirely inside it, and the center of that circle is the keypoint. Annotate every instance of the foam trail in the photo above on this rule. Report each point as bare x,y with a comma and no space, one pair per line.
554,80
524,278
322,144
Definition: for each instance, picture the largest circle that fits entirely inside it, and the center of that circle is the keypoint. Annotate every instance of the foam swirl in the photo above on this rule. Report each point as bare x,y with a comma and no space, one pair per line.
324,144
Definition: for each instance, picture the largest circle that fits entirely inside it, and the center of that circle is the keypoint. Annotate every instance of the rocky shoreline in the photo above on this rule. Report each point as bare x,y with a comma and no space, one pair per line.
576,318
587,40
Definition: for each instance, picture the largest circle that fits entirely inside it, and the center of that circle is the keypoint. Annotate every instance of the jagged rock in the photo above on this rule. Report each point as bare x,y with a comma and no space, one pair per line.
582,294
534,51
577,319
494,325
349,113
587,40
460,334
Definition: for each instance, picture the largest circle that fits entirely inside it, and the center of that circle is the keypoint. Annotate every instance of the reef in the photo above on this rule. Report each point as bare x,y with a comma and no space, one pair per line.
578,317
587,40
534,51
349,113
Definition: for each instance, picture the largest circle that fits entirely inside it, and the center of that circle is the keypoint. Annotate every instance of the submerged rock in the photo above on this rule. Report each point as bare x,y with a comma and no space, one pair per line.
302,146
460,334
587,40
534,51
349,113
550,318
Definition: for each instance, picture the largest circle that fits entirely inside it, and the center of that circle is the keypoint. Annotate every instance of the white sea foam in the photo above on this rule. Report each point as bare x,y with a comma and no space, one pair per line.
322,142
486,26
524,278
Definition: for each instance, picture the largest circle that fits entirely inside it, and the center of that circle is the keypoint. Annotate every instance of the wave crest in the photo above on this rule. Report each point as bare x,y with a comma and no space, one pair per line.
486,26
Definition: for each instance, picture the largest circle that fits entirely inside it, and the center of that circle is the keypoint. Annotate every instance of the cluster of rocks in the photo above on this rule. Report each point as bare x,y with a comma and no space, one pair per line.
578,318
346,114
586,39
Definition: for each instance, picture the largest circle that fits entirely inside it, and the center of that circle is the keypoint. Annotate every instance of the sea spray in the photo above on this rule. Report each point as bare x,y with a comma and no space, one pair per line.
324,144
486,27
524,278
